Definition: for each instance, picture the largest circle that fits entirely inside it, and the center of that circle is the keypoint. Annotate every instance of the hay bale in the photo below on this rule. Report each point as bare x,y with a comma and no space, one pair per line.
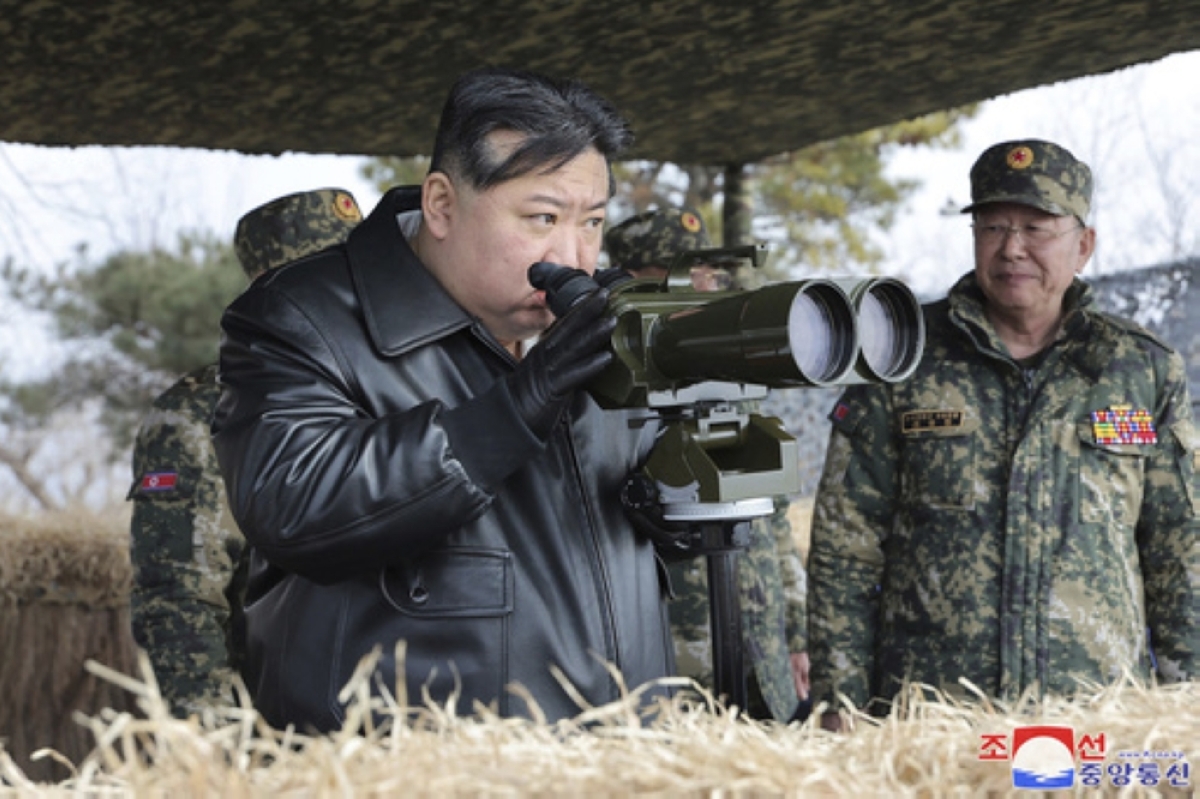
929,748
64,600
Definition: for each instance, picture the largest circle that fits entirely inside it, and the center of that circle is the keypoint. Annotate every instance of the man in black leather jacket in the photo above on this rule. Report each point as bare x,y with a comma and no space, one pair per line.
408,467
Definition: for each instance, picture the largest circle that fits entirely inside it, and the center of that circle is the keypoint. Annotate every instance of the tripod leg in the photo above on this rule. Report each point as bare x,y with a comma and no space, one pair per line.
725,618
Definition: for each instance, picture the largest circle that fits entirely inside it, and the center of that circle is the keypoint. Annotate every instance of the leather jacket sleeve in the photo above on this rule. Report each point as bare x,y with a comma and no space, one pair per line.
322,478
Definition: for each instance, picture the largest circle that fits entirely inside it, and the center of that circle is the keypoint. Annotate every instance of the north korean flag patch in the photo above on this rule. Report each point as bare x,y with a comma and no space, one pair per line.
159,481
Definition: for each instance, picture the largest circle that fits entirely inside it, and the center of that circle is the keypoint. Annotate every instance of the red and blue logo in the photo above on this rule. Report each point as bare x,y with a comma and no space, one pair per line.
1048,757
1043,757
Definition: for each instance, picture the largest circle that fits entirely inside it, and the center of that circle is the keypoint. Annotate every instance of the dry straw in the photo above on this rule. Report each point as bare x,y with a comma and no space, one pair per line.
929,748
65,558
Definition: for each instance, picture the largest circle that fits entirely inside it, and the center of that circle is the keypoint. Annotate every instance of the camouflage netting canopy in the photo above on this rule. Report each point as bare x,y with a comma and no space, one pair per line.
703,82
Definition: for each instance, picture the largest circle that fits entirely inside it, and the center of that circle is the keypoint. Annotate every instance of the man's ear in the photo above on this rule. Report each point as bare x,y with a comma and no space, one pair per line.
1087,246
438,201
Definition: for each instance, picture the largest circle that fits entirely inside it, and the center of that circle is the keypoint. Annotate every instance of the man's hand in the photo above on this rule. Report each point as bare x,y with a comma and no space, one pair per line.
799,663
571,352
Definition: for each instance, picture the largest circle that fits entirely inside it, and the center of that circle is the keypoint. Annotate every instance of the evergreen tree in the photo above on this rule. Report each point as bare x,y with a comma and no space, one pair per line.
128,328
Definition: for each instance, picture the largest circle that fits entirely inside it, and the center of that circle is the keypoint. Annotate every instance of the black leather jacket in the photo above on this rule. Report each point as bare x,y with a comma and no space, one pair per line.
374,460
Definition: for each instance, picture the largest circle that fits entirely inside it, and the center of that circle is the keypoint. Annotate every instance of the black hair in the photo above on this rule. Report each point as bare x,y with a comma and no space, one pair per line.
559,118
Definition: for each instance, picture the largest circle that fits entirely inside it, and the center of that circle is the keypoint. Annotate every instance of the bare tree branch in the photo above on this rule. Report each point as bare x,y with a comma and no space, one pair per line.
18,464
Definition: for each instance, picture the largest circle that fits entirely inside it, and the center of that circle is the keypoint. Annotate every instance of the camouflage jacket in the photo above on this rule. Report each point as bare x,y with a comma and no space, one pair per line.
975,522
185,548
772,594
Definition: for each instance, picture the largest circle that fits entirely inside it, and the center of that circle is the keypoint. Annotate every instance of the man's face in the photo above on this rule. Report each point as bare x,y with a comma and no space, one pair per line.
1025,276
495,235
711,278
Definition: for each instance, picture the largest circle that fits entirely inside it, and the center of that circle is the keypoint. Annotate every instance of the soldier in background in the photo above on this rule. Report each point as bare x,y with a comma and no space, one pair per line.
772,584
187,552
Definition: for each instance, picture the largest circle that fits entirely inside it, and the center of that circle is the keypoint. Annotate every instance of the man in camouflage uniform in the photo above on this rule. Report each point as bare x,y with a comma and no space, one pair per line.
189,570
1023,509
771,579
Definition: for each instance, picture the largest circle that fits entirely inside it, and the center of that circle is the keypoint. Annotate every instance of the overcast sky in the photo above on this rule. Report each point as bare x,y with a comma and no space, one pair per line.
1136,127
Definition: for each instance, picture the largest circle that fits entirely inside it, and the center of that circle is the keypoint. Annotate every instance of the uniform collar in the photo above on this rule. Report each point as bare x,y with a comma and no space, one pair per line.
1088,345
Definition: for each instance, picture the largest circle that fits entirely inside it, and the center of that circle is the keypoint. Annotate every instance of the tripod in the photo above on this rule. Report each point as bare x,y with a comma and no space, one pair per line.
714,468
722,534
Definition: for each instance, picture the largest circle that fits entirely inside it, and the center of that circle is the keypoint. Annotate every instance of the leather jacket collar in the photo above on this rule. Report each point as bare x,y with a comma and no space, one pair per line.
403,305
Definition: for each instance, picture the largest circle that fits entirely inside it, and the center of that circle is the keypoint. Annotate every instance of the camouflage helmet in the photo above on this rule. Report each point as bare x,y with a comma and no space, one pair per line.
654,238
293,226
1034,173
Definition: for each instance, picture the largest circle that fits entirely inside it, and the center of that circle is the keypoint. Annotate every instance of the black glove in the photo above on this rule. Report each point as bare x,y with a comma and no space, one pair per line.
571,352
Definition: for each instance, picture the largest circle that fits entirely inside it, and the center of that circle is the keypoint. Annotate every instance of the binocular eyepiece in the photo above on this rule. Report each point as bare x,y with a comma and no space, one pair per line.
563,285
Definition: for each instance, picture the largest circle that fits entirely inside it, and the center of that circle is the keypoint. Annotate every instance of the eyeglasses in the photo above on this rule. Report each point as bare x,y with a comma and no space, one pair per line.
1032,235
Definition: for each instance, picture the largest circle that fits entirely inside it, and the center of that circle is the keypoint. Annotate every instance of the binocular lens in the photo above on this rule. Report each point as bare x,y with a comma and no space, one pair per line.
888,331
821,333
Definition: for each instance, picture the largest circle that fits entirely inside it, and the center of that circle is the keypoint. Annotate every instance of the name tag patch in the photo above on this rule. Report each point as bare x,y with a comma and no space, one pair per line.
917,421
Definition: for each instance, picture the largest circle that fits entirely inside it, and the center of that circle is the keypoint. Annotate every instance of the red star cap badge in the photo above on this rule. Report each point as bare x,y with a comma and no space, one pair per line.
1019,158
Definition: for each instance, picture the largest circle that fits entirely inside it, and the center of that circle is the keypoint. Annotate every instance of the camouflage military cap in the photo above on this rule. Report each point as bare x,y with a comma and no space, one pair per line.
294,226
653,238
1034,173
